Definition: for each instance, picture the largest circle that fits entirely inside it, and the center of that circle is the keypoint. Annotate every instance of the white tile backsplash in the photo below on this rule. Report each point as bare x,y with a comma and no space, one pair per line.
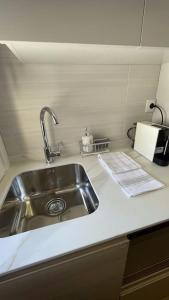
107,98
163,95
142,83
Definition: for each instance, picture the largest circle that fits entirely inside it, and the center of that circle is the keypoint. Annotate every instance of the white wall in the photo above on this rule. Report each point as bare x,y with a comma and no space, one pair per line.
107,98
163,94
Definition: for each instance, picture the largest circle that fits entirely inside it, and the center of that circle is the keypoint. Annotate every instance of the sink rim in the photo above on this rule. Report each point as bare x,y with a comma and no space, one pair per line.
43,168
37,169
48,167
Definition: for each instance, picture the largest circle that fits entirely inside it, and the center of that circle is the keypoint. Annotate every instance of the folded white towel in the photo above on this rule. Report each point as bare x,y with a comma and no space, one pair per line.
137,182
132,179
118,162
4,161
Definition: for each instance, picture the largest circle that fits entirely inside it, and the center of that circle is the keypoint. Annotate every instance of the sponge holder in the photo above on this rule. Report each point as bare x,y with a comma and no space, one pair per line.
99,146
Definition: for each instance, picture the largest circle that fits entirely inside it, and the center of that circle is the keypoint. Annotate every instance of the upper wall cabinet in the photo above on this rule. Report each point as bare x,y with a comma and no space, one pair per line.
156,24
72,21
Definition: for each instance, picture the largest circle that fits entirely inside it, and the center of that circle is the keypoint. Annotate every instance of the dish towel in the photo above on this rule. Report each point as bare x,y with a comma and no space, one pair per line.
4,161
132,179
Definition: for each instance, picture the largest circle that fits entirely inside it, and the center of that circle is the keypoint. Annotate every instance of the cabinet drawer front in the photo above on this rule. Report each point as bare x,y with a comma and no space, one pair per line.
155,287
94,274
147,249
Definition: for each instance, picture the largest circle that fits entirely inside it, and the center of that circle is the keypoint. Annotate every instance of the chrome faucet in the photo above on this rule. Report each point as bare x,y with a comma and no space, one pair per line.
49,154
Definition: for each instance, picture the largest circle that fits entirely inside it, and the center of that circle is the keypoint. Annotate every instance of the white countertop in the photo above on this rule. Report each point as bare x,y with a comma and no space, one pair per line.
116,215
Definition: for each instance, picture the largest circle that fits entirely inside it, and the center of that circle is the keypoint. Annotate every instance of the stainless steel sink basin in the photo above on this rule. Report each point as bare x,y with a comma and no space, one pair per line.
48,196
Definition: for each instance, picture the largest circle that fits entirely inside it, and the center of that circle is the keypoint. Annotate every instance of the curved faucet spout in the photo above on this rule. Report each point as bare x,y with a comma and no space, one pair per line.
48,154
51,113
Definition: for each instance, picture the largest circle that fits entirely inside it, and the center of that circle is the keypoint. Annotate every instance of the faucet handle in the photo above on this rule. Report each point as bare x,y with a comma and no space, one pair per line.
56,150
60,147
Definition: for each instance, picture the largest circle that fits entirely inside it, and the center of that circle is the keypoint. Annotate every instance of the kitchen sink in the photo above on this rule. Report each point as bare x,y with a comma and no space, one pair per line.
43,197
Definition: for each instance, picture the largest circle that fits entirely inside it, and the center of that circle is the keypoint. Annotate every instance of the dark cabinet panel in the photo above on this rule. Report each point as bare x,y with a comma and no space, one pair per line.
72,21
148,251
156,23
154,287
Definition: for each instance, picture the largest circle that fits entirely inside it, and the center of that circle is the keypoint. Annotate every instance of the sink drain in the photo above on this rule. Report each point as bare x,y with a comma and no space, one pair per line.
55,206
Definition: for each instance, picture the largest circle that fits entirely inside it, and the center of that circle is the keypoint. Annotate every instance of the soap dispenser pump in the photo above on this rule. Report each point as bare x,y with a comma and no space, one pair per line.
87,141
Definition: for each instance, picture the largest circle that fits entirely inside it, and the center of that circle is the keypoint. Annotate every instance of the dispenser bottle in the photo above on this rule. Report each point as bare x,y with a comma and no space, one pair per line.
87,141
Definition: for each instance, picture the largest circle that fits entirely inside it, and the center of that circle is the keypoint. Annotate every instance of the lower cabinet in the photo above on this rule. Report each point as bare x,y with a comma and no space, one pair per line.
154,287
146,274
91,274
148,252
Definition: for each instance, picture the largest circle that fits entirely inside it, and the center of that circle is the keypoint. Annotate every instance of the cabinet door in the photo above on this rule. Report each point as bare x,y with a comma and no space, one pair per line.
88,275
72,21
156,23
154,287
146,253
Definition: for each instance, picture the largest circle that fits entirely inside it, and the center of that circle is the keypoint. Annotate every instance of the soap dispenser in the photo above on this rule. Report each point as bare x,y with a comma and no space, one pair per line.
87,141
